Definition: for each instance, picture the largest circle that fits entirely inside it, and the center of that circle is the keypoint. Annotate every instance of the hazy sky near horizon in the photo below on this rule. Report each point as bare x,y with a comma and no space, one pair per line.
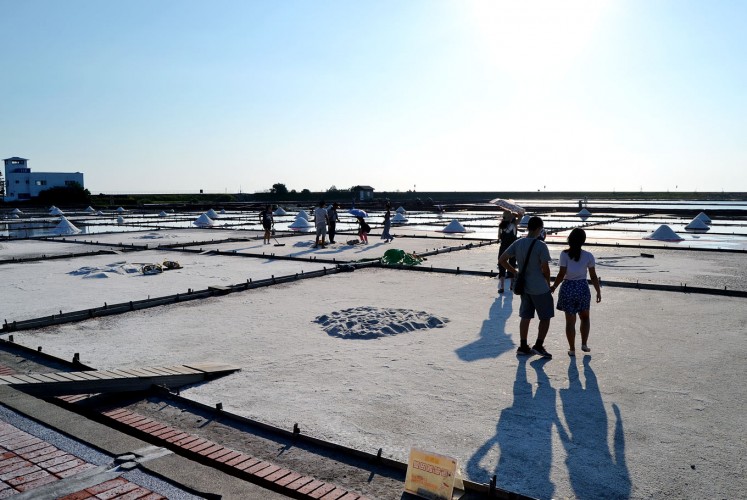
431,95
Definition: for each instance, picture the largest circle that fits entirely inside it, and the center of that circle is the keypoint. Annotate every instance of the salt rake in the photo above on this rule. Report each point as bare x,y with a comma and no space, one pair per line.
277,243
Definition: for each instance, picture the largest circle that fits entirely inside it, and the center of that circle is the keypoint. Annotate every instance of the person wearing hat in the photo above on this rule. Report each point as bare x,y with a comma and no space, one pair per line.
507,231
333,219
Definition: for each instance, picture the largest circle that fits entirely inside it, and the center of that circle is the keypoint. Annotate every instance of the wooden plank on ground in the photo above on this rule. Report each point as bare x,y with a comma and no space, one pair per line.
213,367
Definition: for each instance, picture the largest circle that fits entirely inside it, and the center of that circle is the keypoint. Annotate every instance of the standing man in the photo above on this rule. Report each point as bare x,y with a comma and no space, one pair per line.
320,221
265,216
536,297
333,220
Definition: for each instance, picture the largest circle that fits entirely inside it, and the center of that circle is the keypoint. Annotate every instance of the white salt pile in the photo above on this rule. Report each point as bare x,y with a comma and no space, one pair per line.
280,211
300,223
203,221
99,213
120,220
454,227
524,220
120,210
663,233
55,211
223,211
115,268
90,209
373,322
697,225
401,210
16,211
162,214
212,214
584,213
65,227
702,216
303,214
399,218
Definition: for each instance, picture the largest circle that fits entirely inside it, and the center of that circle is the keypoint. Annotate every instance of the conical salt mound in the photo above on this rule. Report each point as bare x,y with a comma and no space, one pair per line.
65,227
55,211
663,233
401,210
120,210
697,224
16,211
212,214
120,220
399,219
584,213
303,214
280,211
203,221
524,221
300,223
90,209
99,213
223,211
162,214
15,216
454,227
702,216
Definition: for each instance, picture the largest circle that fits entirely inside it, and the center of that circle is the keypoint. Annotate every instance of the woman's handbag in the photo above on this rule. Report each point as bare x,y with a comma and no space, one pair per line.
520,279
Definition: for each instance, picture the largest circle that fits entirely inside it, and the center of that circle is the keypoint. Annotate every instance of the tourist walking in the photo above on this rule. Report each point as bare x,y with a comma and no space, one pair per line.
387,224
507,231
332,220
575,297
265,217
533,259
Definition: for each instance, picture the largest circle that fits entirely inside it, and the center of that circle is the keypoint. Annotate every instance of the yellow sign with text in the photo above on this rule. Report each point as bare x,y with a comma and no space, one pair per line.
432,476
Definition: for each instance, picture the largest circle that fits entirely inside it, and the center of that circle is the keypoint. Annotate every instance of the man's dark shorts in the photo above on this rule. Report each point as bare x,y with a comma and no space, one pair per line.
543,304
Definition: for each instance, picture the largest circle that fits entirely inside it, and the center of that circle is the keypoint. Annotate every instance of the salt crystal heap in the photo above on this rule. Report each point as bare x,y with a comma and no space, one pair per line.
399,218
454,227
279,211
212,214
697,225
65,227
300,223
663,233
204,221
702,216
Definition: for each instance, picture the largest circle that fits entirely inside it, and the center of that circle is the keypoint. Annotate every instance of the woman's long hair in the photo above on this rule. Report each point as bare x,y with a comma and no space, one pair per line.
575,240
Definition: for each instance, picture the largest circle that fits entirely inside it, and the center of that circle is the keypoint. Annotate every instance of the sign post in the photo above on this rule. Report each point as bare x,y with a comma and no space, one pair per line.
432,476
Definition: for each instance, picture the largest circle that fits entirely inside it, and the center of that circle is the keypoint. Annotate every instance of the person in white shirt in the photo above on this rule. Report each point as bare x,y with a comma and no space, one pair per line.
320,221
575,297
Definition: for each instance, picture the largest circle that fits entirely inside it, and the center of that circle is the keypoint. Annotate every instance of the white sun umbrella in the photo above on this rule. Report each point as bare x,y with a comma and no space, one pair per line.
203,221
702,216
454,227
303,214
212,214
508,205
663,233
279,211
697,225
65,227
399,219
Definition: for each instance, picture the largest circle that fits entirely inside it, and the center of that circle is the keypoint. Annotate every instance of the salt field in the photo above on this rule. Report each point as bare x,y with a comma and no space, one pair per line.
391,357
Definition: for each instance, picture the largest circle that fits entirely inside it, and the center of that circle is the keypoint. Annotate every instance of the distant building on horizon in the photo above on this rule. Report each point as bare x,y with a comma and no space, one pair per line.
21,184
363,193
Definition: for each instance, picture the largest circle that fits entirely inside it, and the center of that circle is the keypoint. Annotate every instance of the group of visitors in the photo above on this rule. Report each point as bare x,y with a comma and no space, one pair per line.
521,256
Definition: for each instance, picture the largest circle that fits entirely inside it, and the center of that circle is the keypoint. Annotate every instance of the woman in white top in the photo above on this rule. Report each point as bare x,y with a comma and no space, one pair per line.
575,297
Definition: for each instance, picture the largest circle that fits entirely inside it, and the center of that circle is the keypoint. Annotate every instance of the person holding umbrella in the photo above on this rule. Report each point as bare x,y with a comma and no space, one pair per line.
507,233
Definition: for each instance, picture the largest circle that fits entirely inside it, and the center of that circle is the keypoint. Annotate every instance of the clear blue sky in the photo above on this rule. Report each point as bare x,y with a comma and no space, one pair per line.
435,95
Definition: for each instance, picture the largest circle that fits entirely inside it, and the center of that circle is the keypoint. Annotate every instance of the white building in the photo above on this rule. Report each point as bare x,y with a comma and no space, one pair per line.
22,184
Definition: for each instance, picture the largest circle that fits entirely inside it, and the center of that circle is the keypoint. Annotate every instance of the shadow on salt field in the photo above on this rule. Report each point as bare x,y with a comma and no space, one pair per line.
493,340
524,435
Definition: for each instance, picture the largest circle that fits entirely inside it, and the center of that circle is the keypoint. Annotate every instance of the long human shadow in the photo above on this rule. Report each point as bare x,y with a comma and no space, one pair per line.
595,470
493,340
523,437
